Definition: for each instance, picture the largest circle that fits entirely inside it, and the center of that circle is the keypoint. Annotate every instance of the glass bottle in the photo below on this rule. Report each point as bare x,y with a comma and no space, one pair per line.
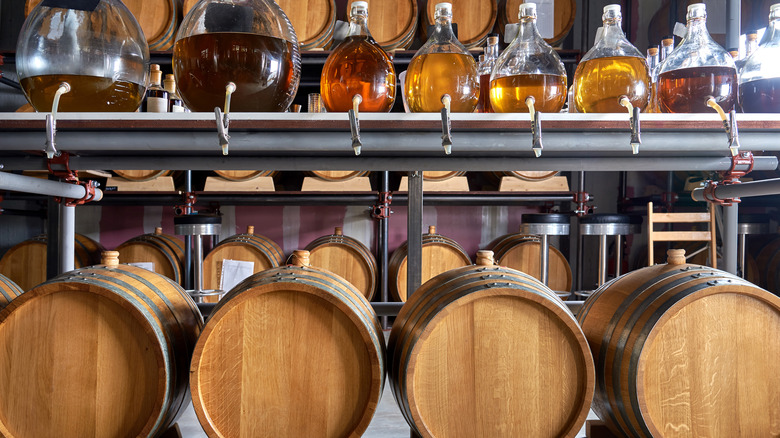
156,100
652,64
358,65
486,66
759,81
98,48
442,66
667,47
611,69
248,42
528,67
175,104
697,69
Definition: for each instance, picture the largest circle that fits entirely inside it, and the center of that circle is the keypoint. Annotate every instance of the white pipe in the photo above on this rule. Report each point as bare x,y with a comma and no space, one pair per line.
745,189
67,236
28,184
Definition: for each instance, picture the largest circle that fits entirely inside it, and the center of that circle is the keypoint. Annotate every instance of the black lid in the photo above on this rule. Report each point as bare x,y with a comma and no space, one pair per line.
545,218
605,218
197,219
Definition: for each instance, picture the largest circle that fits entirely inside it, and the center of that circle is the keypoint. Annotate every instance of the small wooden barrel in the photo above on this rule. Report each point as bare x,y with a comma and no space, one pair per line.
684,350
313,20
96,352
25,263
521,252
346,257
475,20
439,254
249,247
243,175
526,175
8,291
565,11
489,351
392,22
165,252
141,175
336,175
291,352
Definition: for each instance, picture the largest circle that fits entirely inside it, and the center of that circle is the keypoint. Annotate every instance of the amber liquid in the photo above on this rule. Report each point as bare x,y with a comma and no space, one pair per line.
484,105
358,66
760,96
599,83
87,93
508,94
686,90
262,68
431,76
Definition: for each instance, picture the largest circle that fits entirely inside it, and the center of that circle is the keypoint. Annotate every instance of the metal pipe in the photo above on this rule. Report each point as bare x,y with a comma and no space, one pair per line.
414,228
188,280
384,230
577,237
53,249
730,229
67,237
618,255
38,186
602,259
741,260
544,257
733,15
745,189
197,254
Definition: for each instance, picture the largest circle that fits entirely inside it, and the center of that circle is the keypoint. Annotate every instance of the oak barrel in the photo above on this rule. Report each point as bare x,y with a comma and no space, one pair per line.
141,175
248,247
101,351
25,263
489,351
521,252
439,254
8,291
440,175
163,251
526,175
684,350
564,13
313,20
346,257
768,262
475,19
336,175
392,22
243,175
294,352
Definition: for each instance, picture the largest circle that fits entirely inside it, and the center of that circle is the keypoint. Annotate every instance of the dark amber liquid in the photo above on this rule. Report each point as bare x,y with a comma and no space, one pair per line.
760,96
508,94
262,68
686,90
87,93
358,66
431,76
599,83
484,105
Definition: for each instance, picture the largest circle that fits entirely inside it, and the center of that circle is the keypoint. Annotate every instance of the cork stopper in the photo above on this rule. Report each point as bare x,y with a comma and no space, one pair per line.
734,54
338,231
752,36
485,258
250,229
675,257
170,84
156,74
432,229
667,42
300,258
652,51
492,40
110,258
158,230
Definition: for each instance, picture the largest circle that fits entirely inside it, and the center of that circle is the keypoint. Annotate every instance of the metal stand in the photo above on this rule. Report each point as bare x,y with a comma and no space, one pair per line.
197,226
604,225
748,224
544,225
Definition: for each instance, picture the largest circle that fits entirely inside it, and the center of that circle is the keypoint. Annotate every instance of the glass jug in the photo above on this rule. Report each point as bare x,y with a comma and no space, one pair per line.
759,82
442,66
697,69
358,65
611,69
528,67
250,43
98,48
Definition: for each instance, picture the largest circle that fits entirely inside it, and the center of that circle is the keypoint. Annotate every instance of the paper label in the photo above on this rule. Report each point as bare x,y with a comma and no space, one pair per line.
177,109
234,272
149,266
156,105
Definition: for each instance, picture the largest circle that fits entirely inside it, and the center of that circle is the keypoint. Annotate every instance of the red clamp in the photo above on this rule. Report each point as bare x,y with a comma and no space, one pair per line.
64,172
730,176
581,199
382,209
189,199
89,194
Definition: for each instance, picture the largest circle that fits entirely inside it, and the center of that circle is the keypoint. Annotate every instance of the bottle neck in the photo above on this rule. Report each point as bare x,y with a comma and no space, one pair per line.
526,30
358,25
444,28
774,32
612,30
697,30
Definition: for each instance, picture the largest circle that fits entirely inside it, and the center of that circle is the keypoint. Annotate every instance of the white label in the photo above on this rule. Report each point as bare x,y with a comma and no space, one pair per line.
177,109
149,266
156,105
234,272
545,18
680,30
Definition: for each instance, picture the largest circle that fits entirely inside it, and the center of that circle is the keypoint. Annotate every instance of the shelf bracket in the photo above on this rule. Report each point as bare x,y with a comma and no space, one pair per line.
446,125
51,122
354,124
223,121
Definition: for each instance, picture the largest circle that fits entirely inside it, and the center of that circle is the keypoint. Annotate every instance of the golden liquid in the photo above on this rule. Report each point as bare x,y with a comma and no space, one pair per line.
508,94
87,93
358,66
599,83
431,76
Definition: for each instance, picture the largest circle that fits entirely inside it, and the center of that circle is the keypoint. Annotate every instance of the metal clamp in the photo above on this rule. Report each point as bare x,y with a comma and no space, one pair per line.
382,209
536,127
633,114
731,176
89,194
59,166
581,199
354,124
223,121
51,121
729,125
189,199
446,126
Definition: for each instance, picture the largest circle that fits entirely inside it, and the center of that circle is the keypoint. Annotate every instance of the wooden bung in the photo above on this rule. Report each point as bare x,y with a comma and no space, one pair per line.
338,231
431,229
485,258
158,230
250,229
675,256
109,258
300,258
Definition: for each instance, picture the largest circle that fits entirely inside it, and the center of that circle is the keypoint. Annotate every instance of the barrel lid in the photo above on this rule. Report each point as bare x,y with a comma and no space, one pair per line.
545,218
605,218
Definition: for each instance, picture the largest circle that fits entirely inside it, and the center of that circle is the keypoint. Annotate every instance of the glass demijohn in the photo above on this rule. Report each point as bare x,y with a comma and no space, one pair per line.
528,67
696,70
96,46
759,81
358,65
248,42
613,68
442,66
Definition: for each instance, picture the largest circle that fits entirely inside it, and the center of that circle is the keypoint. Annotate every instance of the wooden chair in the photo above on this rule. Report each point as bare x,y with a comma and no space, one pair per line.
681,236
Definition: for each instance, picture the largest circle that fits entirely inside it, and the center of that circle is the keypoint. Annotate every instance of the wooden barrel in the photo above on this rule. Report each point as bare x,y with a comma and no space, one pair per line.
526,175
25,263
249,247
8,291
243,175
159,19
768,262
684,350
439,254
96,352
475,20
294,352
521,252
336,175
564,13
163,251
346,257
489,351
439,175
141,175
313,20
392,22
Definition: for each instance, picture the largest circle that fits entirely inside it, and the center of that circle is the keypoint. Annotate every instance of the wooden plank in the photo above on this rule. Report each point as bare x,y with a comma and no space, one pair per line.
359,184
681,217
455,184
259,184
159,184
681,236
554,184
